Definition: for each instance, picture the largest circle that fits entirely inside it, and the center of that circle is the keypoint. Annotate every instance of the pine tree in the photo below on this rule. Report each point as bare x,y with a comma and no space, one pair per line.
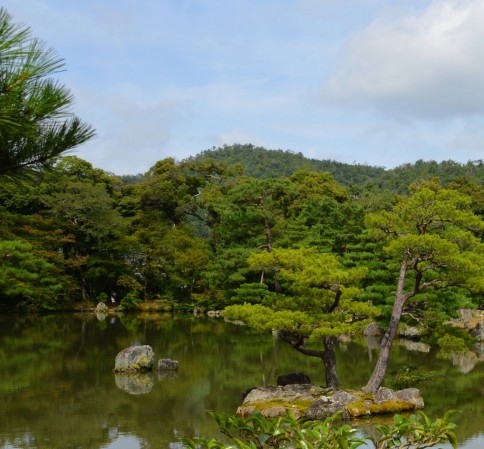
36,126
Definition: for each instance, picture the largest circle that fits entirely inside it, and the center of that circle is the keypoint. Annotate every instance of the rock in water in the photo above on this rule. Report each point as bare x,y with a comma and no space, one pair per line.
292,379
167,365
135,359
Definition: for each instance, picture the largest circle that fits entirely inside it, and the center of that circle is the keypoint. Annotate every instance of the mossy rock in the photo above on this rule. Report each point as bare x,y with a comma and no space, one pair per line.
318,403
276,407
365,407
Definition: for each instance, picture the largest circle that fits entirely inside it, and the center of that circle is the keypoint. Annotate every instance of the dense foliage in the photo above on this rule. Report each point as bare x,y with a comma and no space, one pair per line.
190,233
416,431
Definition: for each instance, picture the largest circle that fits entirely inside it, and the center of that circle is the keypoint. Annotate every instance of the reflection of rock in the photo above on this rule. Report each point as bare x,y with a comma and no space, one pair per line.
167,374
167,365
466,315
134,359
465,362
478,348
101,316
372,342
140,383
316,402
415,345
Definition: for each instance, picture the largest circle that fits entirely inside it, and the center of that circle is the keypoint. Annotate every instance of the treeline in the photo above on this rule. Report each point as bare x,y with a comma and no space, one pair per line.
183,232
259,162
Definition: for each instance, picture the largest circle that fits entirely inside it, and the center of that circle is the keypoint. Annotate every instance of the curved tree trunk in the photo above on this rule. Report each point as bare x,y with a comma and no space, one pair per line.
328,356
380,369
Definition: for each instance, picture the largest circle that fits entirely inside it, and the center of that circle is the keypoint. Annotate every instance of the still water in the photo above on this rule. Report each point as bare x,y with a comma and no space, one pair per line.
58,391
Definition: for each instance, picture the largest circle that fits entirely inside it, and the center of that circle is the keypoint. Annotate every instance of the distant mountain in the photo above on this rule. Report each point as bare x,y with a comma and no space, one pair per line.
260,162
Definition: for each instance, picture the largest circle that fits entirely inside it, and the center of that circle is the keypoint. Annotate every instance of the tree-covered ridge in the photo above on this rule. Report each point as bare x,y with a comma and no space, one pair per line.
259,162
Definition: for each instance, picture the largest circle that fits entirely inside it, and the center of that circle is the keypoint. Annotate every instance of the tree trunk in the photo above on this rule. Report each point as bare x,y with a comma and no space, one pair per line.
328,356
329,361
380,369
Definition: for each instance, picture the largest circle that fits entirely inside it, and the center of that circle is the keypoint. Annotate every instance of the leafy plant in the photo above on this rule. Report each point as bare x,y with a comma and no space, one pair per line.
417,431
257,431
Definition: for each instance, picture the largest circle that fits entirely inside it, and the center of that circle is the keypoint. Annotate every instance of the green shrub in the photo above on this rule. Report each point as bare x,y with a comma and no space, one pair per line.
408,376
130,301
416,431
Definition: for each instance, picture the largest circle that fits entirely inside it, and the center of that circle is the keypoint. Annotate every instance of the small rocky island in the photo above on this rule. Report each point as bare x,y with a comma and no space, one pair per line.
315,402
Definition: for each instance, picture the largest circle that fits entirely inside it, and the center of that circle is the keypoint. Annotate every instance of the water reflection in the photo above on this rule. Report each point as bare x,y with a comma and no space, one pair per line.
58,389
139,383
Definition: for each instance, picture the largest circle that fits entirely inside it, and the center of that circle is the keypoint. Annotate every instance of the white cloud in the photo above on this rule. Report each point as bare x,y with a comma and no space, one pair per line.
238,136
131,134
426,63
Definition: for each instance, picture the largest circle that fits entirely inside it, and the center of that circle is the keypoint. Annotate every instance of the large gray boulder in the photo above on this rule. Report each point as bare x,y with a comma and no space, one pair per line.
135,359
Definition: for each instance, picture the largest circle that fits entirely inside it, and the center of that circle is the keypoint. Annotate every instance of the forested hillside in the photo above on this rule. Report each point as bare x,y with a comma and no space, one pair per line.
260,162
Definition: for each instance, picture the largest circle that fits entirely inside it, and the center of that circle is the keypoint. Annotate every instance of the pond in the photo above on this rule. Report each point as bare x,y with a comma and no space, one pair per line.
57,388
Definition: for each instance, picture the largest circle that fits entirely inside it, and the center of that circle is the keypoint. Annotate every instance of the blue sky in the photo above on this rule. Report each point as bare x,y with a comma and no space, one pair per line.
379,82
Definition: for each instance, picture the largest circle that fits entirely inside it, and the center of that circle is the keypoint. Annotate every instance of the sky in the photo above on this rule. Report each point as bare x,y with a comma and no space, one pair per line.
377,82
